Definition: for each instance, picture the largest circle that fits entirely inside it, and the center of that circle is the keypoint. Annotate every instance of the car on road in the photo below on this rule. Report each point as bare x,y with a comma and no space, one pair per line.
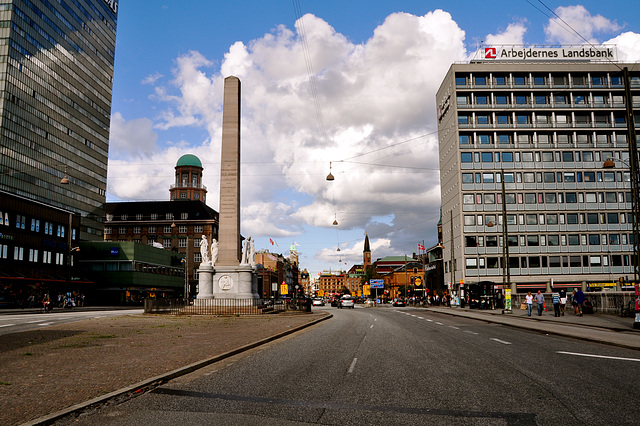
346,302
399,302
318,302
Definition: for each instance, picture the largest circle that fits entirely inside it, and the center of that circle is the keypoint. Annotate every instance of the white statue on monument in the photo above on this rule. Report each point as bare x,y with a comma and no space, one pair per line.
214,251
248,252
204,250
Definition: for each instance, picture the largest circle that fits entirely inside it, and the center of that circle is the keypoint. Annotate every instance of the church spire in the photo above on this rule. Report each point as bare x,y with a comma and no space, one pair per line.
366,258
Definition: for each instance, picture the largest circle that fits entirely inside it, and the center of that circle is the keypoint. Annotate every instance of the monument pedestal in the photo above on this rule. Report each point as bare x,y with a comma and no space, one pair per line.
235,282
205,283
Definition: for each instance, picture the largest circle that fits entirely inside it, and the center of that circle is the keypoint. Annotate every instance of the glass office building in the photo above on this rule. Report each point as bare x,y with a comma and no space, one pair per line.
56,72
548,119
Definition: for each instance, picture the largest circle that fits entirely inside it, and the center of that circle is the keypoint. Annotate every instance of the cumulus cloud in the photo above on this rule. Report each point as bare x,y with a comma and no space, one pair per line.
513,34
369,110
134,138
628,46
577,19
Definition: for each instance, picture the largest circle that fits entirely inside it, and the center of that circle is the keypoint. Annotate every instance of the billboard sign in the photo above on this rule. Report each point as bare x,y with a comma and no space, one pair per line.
376,283
566,53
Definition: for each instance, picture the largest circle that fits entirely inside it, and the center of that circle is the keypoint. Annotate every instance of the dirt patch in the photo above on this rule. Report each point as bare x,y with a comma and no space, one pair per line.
46,370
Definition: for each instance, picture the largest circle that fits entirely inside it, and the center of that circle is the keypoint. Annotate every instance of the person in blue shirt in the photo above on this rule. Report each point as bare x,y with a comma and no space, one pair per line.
556,303
577,301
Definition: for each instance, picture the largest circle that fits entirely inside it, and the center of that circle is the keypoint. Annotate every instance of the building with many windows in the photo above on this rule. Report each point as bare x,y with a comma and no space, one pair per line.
55,103
176,225
38,245
538,124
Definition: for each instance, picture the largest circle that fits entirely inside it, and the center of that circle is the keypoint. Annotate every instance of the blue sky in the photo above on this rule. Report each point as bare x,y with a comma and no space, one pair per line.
369,108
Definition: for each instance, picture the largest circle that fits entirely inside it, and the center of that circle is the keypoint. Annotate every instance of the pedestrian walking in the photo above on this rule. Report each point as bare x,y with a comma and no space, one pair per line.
563,301
577,301
529,301
556,303
540,302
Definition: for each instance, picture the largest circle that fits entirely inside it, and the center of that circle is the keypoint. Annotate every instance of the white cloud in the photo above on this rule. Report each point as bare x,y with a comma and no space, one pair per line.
577,19
152,78
350,254
628,46
377,107
377,103
134,138
513,34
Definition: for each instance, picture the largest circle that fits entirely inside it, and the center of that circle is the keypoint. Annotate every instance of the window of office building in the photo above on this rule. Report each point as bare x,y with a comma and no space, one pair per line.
500,80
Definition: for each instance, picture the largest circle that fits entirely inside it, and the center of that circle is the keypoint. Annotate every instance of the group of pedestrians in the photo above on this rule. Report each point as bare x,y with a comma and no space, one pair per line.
559,299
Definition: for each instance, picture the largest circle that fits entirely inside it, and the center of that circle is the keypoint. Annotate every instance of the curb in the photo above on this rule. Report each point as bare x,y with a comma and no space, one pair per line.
526,324
140,387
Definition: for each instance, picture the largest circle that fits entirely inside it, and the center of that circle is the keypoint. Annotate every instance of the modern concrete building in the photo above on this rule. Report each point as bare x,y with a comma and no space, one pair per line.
56,77
546,119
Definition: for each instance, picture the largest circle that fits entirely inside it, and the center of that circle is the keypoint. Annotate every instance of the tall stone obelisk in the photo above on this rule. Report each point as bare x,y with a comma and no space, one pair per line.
234,273
229,214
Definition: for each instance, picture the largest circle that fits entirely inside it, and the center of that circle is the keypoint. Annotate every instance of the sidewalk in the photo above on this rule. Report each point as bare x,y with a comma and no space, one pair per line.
601,328
24,311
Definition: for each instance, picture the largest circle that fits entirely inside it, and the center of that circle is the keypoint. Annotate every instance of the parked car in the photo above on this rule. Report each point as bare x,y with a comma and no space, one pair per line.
318,302
335,302
346,302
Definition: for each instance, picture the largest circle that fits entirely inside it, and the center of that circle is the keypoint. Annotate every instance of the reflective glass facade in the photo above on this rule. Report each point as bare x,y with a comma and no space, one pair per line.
56,73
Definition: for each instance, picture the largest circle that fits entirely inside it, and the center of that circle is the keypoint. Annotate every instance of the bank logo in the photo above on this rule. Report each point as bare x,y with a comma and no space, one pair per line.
490,53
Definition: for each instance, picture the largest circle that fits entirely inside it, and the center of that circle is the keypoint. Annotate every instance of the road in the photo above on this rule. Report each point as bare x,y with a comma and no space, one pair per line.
14,323
397,366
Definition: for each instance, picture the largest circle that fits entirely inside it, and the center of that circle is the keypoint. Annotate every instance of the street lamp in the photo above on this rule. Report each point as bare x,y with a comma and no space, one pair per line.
506,268
185,261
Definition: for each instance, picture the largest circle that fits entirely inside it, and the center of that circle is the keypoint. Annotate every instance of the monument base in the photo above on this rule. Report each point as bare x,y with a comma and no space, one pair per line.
235,282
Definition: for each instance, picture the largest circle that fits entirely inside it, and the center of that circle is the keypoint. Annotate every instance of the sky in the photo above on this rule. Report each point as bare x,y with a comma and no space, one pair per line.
341,86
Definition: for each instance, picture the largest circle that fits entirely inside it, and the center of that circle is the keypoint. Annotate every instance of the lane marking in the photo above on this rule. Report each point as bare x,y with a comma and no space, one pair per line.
599,356
439,323
6,325
500,341
429,320
419,317
454,327
353,365
45,323
470,332
34,322
371,326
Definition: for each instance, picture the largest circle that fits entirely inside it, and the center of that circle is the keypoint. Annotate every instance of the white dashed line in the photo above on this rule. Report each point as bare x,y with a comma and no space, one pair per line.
599,356
6,325
353,365
500,341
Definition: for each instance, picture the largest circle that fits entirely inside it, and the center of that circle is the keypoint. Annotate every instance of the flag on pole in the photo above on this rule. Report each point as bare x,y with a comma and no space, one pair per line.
420,246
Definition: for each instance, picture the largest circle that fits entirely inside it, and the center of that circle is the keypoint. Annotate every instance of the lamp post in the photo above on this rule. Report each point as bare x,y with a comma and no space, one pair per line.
506,268
634,163
186,265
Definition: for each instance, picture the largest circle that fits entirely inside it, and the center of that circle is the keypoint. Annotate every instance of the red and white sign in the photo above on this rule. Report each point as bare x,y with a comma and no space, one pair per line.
490,53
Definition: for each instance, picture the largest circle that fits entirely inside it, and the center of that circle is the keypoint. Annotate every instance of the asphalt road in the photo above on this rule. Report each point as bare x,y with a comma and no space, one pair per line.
397,366
15,323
